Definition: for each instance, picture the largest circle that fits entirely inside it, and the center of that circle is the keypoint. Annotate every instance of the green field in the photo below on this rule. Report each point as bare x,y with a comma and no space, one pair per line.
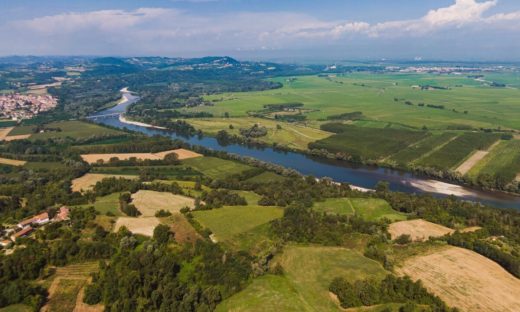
37,165
170,172
371,209
227,222
16,308
266,177
216,168
308,272
374,96
456,151
415,151
292,135
369,143
74,129
107,204
503,161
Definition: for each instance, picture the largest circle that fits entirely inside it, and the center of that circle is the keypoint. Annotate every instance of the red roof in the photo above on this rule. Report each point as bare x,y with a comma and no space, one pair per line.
23,232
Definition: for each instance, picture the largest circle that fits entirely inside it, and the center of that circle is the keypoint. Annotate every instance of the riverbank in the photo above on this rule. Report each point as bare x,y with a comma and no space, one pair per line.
139,124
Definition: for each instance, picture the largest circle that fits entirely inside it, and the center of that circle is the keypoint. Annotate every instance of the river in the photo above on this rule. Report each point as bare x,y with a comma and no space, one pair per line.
341,171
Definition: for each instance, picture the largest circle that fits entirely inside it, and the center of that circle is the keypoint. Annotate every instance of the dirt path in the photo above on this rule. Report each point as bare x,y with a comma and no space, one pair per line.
466,280
466,166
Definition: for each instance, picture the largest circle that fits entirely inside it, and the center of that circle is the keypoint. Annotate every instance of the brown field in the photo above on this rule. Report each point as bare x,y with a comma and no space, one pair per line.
181,154
184,232
87,181
17,137
466,280
149,202
4,132
466,166
143,226
12,162
418,229
518,177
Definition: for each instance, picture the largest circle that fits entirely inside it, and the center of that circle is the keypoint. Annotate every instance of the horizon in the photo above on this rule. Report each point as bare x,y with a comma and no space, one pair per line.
484,30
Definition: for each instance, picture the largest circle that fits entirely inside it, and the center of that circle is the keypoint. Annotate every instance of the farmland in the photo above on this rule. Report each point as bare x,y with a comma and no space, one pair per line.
503,161
417,150
304,285
87,181
367,208
216,168
63,129
149,202
181,154
143,226
466,280
417,229
12,162
227,222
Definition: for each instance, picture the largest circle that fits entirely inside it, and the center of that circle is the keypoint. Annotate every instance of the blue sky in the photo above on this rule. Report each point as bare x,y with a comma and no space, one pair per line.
276,29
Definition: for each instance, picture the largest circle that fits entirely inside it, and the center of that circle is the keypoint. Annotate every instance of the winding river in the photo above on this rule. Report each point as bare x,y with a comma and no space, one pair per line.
341,171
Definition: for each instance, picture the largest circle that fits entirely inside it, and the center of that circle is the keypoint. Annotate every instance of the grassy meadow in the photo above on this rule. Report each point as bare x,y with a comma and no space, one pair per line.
371,209
216,168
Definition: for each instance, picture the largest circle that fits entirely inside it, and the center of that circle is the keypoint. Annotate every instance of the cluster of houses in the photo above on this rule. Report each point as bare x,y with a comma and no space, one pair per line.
27,226
23,106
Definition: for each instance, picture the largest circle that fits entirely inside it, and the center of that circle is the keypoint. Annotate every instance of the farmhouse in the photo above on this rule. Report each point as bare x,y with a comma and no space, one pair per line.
62,215
5,243
22,233
40,219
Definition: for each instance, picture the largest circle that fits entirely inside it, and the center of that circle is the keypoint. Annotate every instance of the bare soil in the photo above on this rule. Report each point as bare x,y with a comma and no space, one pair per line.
87,181
181,154
143,226
418,229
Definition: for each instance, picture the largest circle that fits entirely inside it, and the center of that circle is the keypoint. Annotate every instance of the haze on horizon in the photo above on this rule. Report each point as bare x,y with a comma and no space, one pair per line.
269,29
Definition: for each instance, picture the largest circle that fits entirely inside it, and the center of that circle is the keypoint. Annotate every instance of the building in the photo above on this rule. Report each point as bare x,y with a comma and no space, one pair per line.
62,215
39,219
25,231
5,243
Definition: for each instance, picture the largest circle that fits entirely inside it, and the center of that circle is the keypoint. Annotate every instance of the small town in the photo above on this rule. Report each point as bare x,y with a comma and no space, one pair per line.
18,106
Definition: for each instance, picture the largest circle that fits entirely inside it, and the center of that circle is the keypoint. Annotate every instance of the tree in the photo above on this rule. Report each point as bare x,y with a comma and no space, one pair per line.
162,234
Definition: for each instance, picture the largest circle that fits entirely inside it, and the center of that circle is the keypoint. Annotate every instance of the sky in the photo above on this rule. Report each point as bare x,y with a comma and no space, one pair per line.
265,29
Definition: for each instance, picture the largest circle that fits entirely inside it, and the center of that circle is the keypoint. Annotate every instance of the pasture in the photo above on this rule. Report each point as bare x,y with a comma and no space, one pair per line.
74,129
465,279
375,96
266,177
293,135
229,221
371,209
108,204
87,181
149,202
216,168
418,229
143,226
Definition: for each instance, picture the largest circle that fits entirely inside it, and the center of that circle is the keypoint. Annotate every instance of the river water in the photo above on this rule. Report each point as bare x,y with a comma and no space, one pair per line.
341,171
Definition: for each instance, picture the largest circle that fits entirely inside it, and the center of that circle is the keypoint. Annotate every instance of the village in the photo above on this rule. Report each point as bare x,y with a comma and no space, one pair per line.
27,226
18,106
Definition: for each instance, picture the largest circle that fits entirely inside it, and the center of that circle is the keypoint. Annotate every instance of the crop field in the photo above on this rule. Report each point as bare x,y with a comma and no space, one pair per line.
229,221
456,151
184,231
370,143
170,172
474,159
466,280
266,177
149,202
4,132
216,168
418,229
143,226
87,181
415,151
293,135
106,204
181,154
502,161
374,96
74,129
368,208
12,162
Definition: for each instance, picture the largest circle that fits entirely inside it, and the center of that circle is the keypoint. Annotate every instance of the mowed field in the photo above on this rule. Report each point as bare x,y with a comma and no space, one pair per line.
371,209
216,168
228,221
308,272
12,162
149,202
418,229
466,280
143,226
87,181
73,129
290,134
181,155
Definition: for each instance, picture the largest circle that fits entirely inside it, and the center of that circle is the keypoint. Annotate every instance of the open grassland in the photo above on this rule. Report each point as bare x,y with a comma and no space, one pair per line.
466,280
308,272
181,154
266,177
456,151
108,204
293,135
415,151
216,168
229,221
502,161
374,96
87,181
149,202
143,226
75,129
12,162
369,143
418,229
368,208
